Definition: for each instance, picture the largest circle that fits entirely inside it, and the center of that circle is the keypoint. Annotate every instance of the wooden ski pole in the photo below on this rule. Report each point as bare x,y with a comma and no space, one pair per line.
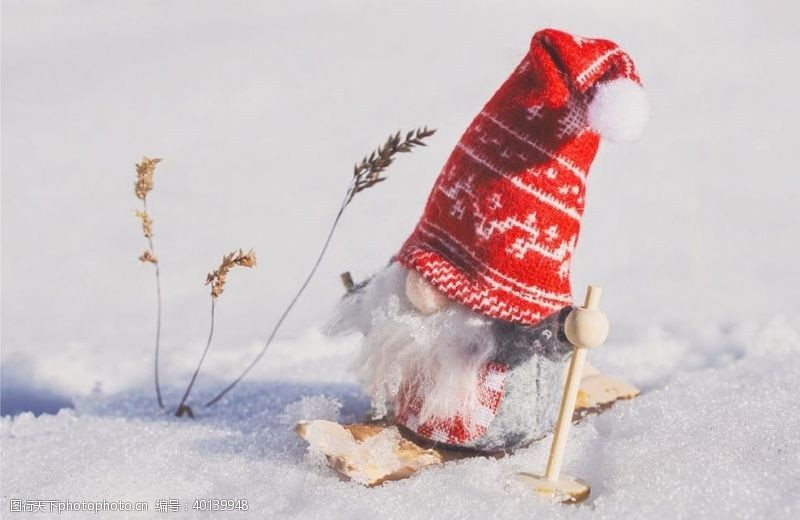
585,327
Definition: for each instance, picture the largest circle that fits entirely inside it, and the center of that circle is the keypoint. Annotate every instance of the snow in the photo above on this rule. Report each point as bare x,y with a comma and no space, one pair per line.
311,407
714,435
259,110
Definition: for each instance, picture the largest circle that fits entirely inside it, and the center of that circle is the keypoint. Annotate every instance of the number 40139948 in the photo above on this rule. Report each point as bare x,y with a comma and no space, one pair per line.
220,504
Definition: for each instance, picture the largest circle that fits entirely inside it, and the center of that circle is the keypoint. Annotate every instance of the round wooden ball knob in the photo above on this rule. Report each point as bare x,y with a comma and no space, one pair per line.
586,328
424,296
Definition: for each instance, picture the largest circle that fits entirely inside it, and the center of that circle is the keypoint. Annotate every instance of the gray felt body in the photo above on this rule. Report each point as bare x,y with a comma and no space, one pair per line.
536,359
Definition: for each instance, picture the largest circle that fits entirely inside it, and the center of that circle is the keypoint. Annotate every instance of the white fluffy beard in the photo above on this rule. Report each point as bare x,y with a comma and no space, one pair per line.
436,358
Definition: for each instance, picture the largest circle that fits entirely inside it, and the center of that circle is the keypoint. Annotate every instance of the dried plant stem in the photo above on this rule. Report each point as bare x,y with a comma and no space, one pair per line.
158,313
366,174
144,185
216,279
291,303
182,407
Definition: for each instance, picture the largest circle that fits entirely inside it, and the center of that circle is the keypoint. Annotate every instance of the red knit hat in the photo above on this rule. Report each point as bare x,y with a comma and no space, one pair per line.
502,221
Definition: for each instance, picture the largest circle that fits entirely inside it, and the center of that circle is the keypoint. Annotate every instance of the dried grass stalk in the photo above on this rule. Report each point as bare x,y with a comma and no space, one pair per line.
366,174
143,186
217,281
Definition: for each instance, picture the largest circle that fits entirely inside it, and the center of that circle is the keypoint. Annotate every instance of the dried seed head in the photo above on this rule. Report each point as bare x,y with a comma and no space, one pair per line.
218,278
148,256
367,173
147,222
144,176
246,260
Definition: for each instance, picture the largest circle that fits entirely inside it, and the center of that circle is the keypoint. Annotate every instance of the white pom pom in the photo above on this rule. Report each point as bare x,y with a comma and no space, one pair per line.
619,110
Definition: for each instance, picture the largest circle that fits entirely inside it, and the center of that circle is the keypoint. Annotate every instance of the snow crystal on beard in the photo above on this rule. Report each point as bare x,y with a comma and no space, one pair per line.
436,358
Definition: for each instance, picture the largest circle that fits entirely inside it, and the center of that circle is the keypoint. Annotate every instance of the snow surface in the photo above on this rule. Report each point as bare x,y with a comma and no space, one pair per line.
259,109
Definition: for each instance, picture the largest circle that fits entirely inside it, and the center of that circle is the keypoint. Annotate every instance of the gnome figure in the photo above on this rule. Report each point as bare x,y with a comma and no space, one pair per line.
463,330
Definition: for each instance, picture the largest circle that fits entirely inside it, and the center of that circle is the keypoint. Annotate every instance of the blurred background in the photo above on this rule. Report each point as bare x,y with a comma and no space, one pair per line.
259,110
